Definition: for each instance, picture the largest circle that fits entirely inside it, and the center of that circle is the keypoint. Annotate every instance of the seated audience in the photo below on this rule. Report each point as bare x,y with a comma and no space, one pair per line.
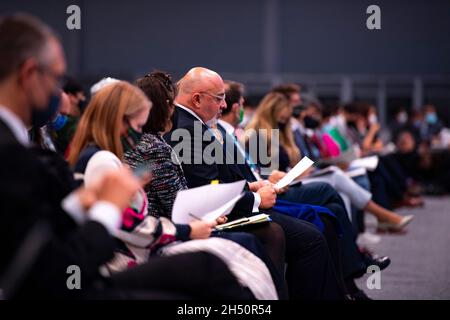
113,124
53,237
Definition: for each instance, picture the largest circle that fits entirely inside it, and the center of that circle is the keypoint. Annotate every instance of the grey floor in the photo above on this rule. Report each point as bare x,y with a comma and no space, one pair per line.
420,267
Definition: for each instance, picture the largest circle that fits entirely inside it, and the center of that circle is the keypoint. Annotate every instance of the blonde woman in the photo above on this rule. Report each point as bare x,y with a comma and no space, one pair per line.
274,112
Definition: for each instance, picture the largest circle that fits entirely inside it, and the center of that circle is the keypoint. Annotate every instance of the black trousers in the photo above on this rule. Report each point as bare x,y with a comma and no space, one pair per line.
334,244
387,187
265,240
198,275
322,194
310,272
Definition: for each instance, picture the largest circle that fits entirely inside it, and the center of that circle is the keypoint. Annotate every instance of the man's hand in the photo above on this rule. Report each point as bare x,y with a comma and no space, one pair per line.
221,220
201,229
268,197
96,191
255,186
87,197
276,176
281,190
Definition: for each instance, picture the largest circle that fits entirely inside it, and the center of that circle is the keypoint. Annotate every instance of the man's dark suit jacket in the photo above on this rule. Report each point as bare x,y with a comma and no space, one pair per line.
199,174
30,193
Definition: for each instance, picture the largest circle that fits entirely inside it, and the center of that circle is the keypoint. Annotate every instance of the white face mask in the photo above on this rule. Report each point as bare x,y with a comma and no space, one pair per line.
373,119
402,117
340,121
333,121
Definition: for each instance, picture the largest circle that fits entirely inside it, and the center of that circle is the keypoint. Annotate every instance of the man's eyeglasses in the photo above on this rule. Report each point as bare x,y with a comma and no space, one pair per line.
59,78
218,98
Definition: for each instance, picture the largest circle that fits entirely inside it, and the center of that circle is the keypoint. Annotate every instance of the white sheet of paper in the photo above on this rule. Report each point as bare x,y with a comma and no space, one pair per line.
207,202
223,210
299,168
356,172
369,163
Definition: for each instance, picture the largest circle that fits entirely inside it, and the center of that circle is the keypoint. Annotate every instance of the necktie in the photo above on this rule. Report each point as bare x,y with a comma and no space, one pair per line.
248,160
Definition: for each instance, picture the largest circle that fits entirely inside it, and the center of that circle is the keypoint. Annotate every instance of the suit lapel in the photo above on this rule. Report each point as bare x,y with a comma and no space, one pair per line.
6,135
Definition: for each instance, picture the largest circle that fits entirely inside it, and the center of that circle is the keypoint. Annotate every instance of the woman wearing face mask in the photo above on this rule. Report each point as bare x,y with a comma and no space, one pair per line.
371,142
319,141
274,112
112,125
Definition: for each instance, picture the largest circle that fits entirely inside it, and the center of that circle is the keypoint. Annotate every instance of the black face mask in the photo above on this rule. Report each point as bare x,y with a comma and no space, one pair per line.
297,111
82,105
131,139
281,125
40,118
351,124
311,123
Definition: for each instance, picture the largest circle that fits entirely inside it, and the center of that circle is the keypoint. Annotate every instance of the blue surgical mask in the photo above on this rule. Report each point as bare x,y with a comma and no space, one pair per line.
59,122
431,118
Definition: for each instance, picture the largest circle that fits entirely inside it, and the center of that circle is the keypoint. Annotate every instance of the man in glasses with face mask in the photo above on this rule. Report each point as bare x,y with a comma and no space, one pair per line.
31,66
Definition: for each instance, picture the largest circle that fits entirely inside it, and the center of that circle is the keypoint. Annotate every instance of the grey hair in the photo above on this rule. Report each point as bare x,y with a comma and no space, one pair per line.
22,37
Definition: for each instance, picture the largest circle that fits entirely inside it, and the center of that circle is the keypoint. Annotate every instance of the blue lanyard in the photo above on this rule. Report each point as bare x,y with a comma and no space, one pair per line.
248,160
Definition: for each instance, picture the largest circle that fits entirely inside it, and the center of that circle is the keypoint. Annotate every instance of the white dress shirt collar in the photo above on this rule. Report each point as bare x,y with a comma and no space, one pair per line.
296,125
190,111
15,125
228,127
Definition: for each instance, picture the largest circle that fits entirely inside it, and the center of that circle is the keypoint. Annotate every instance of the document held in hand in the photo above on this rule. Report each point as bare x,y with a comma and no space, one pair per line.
299,168
369,163
262,217
207,202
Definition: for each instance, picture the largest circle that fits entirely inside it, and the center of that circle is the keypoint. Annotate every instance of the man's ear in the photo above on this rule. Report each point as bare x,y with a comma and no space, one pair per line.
27,71
235,108
195,100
